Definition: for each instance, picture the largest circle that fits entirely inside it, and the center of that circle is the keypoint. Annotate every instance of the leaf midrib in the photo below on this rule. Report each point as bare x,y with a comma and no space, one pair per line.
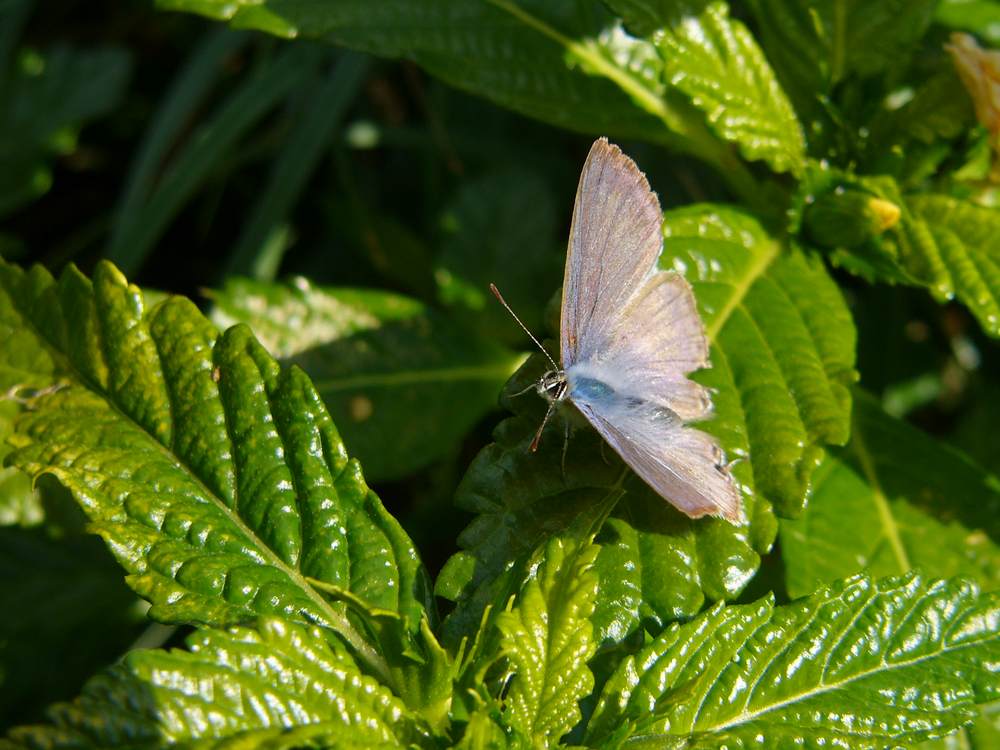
889,526
741,288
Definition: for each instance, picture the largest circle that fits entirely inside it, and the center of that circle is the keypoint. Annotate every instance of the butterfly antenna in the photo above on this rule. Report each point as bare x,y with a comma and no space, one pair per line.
502,301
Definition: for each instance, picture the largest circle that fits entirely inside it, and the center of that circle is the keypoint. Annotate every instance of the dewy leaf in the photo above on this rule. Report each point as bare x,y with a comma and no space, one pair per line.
891,500
243,683
782,360
954,248
715,61
403,383
858,664
217,479
548,640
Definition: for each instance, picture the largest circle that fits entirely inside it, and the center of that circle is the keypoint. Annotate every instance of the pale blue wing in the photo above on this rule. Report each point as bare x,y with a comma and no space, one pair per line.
614,242
684,465
656,340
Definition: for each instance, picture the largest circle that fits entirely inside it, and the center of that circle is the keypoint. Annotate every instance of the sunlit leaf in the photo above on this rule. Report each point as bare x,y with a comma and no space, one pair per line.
246,684
217,479
859,664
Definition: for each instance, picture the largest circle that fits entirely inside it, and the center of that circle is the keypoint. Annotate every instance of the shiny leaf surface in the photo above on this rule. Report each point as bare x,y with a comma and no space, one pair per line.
217,479
716,62
245,684
826,670
548,639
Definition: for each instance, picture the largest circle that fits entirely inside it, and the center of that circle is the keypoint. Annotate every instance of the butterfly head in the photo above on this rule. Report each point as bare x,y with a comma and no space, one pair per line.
553,385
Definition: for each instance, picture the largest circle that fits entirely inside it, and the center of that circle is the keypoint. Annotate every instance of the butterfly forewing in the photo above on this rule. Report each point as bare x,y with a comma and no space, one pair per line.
614,242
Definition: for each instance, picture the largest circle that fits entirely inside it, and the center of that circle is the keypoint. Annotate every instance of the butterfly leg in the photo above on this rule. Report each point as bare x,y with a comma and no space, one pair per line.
565,448
604,456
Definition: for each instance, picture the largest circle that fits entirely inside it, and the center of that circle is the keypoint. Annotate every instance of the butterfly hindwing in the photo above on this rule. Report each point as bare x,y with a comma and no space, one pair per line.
682,464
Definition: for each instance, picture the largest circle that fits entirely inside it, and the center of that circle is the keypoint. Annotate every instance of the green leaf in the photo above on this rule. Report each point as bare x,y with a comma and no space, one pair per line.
818,43
858,664
246,684
421,669
647,16
44,101
983,733
25,367
938,108
945,244
504,51
942,243
716,62
782,360
892,500
564,62
953,247
483,733
403,383
67,614
217,479
548,640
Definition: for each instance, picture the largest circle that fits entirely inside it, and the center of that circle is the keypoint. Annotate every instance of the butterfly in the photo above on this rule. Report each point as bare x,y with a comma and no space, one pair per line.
629,336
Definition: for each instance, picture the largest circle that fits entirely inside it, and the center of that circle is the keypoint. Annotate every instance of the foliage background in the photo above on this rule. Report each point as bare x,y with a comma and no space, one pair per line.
192,154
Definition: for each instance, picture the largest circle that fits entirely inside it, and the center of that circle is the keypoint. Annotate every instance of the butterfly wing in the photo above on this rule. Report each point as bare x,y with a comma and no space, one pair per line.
655,341
682,464
630,336
613,243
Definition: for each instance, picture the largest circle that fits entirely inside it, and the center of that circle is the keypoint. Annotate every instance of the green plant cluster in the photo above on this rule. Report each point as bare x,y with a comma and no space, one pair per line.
829,171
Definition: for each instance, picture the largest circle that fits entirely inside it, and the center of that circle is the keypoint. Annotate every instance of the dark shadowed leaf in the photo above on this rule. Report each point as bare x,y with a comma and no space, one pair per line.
402,382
